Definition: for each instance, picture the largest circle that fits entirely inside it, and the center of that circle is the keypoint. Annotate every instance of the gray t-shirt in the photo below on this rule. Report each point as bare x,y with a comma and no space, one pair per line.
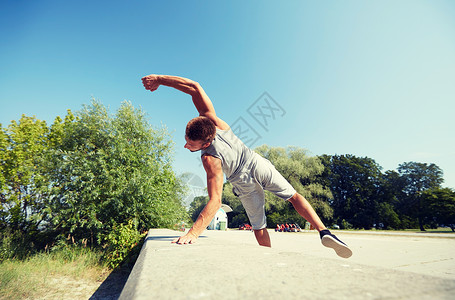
234,155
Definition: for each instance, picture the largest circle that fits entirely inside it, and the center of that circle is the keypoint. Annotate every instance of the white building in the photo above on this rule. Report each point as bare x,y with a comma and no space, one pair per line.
220,221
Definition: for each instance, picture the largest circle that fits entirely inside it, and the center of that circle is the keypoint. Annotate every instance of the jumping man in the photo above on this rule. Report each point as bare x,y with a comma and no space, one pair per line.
248,172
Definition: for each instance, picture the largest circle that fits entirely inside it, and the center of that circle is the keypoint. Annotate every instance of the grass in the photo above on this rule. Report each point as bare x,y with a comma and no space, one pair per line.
44,275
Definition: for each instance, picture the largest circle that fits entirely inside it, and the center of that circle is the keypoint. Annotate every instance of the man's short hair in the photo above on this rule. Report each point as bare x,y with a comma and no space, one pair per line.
201,129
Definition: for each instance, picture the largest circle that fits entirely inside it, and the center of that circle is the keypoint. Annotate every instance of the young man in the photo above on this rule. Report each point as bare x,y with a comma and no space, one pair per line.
248,172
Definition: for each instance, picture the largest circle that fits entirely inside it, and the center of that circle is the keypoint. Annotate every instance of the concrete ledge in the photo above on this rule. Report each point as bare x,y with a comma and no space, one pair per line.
229,265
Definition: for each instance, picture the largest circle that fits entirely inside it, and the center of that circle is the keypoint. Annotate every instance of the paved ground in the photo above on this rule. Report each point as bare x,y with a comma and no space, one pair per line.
229,265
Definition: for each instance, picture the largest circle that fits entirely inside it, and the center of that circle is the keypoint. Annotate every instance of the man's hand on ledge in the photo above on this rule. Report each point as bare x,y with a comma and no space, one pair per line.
188,238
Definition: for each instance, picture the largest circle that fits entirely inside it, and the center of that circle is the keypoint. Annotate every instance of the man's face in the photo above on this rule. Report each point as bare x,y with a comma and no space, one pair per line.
194,146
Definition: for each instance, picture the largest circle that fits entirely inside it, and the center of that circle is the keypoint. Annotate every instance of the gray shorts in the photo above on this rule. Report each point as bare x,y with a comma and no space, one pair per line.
249,186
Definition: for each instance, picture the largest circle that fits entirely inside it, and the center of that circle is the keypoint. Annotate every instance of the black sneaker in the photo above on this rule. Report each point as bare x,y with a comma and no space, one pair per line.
331,241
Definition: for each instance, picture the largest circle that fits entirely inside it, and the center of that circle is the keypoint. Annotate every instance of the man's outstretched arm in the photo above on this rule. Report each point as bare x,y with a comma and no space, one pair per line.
201,101
214,171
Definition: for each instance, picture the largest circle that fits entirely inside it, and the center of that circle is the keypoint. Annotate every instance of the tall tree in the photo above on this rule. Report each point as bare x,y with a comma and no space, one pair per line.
417,178
354,182
390,193
106,170
439,206
22,146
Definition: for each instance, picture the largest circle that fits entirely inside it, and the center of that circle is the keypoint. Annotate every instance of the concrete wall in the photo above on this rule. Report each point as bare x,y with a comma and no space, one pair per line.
230,265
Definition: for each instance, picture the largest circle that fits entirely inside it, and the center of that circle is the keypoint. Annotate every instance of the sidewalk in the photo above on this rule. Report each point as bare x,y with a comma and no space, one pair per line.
229,265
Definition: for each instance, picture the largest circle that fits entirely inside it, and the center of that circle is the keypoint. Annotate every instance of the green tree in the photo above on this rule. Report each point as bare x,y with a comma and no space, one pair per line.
106,170
23,146
417,178
390,193
354,182
439,205
387,216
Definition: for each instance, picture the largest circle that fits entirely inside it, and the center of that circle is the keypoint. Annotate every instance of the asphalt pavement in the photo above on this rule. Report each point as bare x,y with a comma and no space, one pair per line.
230,265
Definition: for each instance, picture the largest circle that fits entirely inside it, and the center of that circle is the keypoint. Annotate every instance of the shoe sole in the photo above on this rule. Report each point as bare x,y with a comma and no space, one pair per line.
341,249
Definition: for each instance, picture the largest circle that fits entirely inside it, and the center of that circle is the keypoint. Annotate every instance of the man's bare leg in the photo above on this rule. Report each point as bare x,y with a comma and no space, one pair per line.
304,208
263,238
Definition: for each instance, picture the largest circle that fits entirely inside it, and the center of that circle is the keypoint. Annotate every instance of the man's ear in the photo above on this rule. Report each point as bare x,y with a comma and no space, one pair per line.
206,145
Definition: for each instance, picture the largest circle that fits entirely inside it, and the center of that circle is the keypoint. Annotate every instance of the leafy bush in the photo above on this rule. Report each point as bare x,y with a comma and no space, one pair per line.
345,224
106,170
77,181
122,244
7,248
15,245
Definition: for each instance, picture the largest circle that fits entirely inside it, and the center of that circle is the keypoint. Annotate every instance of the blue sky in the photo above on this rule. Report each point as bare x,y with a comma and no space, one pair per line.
369,78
